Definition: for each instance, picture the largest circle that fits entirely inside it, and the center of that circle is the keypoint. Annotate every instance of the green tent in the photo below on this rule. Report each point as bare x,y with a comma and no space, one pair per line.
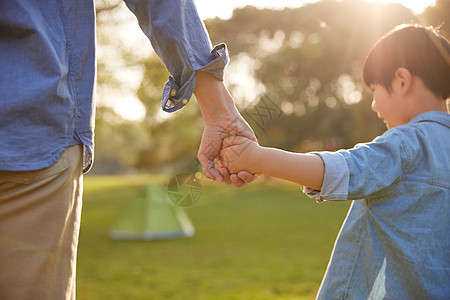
152,218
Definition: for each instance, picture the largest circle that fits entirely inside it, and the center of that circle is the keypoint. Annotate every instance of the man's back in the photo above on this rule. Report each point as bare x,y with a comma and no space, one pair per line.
47,79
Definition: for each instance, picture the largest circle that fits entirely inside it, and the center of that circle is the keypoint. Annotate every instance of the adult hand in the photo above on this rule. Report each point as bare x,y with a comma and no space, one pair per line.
211,144
222,119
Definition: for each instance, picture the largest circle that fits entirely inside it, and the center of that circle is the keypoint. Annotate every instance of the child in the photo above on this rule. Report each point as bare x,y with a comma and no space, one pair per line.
395,241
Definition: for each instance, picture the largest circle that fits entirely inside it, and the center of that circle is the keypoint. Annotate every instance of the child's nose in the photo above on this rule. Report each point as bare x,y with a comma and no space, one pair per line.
373,105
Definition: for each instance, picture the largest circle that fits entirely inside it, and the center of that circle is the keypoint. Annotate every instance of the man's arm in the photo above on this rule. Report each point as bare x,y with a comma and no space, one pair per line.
180,39
221,120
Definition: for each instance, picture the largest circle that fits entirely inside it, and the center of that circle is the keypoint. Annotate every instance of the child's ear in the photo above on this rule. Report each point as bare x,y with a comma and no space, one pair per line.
402,81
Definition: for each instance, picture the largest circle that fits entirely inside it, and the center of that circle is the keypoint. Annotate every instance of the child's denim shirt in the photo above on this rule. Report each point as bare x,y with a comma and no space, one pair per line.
395,241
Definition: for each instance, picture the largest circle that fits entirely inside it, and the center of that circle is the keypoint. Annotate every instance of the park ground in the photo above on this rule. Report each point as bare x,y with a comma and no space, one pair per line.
263,241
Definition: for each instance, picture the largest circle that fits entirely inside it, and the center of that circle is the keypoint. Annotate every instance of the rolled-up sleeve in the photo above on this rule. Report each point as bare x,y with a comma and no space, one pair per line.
180,39
335,181
368,170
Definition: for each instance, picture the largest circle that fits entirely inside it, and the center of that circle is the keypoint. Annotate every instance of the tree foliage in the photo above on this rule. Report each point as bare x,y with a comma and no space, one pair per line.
309,59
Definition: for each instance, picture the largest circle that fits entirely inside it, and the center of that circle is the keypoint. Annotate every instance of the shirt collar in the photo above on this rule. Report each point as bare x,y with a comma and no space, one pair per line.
440,117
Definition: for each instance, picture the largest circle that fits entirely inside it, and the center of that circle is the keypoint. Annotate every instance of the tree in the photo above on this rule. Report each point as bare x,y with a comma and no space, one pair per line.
308,60
438,15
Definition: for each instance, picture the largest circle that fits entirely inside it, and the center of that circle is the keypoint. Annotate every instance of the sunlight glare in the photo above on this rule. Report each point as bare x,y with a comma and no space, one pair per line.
225,9
126,104
417,6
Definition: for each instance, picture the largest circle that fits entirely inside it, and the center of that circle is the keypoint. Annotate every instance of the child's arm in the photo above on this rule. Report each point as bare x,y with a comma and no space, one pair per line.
240,153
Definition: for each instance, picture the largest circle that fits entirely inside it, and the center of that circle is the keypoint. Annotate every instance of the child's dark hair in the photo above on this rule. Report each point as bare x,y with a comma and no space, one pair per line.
423,51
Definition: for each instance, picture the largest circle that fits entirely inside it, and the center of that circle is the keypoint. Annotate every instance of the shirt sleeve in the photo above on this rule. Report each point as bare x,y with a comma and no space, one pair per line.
180,39
368,170
335,181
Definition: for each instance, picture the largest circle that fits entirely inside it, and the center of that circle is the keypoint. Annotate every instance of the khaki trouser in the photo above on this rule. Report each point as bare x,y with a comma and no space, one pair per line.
39,226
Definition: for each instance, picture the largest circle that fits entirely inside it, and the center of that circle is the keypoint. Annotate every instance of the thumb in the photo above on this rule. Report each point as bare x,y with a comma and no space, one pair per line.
233,140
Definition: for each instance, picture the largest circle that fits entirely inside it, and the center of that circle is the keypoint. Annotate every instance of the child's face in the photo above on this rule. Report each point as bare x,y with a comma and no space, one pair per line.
388,107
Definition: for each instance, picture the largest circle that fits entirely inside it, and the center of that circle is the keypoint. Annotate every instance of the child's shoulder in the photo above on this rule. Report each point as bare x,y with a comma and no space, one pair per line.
426,134
438,117
425,138
427,124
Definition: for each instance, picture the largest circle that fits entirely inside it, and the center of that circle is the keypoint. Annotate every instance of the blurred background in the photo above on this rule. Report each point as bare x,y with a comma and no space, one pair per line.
308,58
304,60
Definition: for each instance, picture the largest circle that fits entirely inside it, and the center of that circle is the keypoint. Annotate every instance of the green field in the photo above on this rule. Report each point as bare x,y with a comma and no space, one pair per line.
264,241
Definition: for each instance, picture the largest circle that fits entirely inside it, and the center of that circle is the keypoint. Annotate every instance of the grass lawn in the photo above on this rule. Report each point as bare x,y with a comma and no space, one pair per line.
263,241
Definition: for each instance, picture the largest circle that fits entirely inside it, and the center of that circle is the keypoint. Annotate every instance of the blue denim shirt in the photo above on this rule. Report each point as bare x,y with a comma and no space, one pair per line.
395,241
47,78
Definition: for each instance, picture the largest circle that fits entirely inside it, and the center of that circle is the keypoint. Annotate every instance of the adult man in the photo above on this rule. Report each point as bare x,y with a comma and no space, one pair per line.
47,63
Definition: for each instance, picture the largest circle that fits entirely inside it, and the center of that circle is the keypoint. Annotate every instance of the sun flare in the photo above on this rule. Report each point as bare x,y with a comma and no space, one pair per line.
417,6
225,9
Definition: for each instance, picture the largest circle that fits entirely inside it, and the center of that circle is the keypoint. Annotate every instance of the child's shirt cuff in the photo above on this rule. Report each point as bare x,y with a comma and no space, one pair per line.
335,181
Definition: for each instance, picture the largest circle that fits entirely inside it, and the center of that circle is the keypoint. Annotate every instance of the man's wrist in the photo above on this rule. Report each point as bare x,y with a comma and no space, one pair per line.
214,100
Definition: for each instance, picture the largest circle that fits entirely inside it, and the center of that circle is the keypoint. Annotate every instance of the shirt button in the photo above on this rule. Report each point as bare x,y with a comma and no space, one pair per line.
185,101
173,92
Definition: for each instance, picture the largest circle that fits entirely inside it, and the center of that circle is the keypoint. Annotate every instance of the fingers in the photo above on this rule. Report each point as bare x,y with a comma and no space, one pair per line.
246,176
224,172
242,178
226,175
209,168
238,182
214,174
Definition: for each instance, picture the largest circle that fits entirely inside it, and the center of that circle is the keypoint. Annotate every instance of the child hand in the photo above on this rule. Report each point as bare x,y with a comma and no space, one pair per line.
239,154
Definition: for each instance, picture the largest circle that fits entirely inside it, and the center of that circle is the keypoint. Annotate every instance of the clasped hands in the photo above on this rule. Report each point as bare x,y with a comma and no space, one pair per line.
226,143
222,121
